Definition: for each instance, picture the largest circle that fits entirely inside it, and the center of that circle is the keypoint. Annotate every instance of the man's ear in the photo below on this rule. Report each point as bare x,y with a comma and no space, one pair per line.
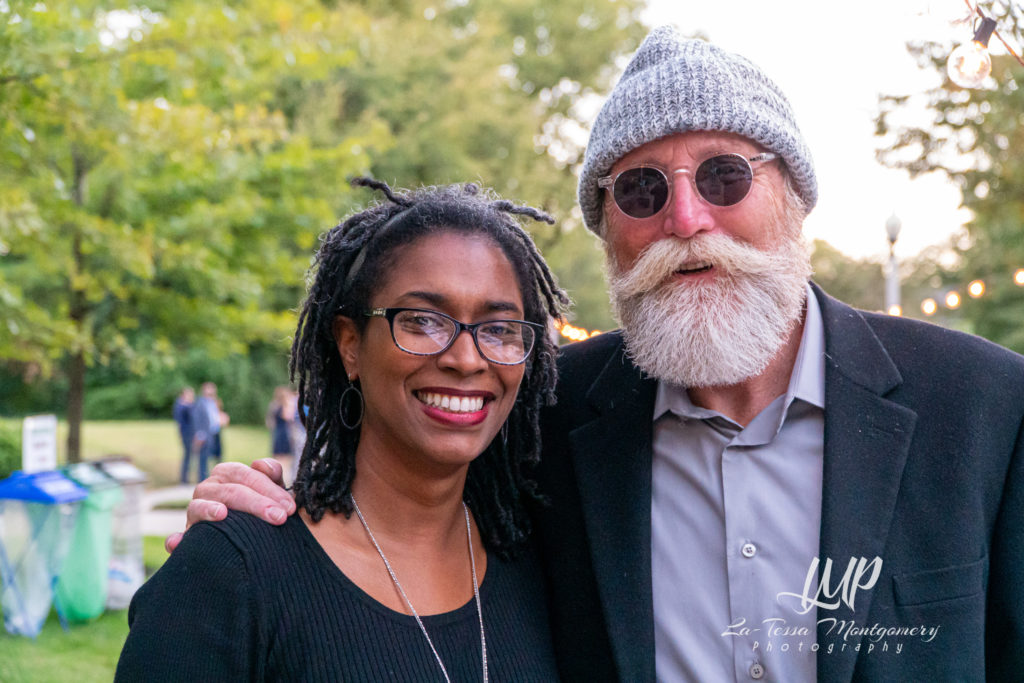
347,337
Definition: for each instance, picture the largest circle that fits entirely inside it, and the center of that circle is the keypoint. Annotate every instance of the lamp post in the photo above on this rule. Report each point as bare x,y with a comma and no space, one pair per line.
892,275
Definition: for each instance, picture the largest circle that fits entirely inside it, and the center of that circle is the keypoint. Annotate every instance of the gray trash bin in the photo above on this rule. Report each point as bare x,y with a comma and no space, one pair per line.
127,571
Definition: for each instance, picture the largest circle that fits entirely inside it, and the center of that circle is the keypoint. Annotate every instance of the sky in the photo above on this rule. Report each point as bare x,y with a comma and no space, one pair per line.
833,60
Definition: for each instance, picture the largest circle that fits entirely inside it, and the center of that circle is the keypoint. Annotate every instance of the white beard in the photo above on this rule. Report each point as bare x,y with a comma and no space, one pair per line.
714,332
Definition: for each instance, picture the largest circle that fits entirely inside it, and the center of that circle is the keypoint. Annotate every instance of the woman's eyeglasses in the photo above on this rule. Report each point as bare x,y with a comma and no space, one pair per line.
423,332
721,180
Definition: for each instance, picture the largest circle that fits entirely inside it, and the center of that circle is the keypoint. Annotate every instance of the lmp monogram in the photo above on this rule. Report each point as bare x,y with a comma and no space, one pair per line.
844,593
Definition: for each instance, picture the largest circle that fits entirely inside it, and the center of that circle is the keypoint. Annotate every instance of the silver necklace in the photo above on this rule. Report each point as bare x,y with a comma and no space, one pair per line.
476,590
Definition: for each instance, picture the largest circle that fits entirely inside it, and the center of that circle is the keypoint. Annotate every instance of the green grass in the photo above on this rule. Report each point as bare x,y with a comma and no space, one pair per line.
89,652
153,553
86,653
154,446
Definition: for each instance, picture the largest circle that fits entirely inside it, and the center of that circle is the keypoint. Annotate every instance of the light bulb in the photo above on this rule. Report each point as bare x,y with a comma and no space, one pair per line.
970,64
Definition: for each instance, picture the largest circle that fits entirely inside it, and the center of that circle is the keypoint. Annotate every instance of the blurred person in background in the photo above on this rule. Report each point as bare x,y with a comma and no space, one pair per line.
182,413
206,426
279,419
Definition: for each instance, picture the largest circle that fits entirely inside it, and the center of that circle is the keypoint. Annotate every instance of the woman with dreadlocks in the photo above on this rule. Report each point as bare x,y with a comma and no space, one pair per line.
423,357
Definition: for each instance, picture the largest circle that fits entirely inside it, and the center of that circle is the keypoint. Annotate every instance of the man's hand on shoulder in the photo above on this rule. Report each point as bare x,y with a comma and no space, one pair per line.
258,490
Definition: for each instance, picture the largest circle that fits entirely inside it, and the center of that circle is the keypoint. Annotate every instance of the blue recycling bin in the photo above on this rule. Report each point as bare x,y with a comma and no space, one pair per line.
37,519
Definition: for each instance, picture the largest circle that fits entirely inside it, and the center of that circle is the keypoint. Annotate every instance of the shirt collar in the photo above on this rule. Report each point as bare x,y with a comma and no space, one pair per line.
807,382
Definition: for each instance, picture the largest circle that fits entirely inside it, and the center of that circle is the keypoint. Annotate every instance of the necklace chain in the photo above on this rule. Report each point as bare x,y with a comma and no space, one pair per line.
415,614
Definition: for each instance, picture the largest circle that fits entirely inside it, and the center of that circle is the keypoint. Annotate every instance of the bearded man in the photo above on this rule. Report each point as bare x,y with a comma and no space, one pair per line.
751,480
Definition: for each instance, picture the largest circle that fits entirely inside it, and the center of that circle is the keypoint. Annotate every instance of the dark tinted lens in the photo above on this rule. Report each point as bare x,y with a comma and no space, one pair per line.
640,192
724,180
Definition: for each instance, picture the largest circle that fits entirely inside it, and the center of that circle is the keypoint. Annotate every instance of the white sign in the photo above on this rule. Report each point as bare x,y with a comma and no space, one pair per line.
39,443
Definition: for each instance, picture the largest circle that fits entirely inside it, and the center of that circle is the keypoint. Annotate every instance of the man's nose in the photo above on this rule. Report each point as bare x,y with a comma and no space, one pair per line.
687,214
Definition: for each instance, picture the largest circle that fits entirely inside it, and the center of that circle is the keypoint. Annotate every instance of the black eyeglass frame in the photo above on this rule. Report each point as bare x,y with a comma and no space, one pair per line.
608,182
390,313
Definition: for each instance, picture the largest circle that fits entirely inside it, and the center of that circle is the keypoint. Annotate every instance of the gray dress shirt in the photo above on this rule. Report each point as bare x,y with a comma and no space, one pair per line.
735,521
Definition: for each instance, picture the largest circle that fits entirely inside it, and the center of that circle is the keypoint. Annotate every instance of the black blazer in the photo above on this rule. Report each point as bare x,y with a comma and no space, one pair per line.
923,467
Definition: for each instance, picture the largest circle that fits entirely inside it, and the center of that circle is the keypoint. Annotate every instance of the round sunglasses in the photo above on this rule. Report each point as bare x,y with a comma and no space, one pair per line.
721,180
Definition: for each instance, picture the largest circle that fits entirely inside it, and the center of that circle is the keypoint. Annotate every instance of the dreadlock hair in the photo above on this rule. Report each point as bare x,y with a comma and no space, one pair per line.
352,260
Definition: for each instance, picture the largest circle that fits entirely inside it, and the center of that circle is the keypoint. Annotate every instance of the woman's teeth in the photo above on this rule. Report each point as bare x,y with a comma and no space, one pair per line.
453,404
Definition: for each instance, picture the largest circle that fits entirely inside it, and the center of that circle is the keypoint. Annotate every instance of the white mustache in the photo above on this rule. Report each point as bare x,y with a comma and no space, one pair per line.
727,255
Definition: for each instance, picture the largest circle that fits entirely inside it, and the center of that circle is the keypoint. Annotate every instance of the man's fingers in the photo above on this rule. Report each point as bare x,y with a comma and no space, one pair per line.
239,487
271,468
172,541
200,510
237,477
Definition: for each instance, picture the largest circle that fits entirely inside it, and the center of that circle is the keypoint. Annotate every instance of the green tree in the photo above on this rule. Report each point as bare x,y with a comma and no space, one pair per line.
858,282
974,137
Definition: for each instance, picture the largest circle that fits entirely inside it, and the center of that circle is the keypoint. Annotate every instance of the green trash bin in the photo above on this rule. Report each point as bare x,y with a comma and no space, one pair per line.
82,587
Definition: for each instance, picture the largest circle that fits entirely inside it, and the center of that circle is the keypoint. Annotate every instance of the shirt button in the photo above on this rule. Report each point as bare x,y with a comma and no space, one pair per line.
756,671
749,550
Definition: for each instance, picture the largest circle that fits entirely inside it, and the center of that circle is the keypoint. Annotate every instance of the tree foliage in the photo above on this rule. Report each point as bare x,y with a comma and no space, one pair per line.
165,169
858,282
976,138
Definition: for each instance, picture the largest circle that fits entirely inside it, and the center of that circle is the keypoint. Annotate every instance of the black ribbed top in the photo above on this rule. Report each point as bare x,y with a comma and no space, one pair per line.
242,600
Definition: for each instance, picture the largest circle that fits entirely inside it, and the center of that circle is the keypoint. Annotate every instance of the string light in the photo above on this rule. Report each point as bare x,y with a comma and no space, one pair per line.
970,64
573,333
976,289
895,309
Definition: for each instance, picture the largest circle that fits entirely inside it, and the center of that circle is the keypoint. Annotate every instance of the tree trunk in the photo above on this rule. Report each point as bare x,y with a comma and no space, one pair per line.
76,399
77,313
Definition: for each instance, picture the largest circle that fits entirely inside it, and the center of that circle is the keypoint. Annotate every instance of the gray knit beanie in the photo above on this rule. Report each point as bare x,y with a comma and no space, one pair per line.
673,85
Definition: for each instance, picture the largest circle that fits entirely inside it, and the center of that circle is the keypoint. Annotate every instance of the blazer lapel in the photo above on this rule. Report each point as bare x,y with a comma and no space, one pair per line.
612,458
867,438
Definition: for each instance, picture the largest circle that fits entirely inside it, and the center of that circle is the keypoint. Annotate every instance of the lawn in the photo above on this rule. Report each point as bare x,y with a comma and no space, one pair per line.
154,446
88,652
84,654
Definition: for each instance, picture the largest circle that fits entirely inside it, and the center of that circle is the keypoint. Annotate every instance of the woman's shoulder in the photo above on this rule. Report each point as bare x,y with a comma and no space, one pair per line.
250,534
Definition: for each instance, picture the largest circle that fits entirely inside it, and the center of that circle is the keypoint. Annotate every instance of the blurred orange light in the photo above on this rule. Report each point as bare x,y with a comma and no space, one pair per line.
928,307
895,309
1018,277
976,289
952,300
573,333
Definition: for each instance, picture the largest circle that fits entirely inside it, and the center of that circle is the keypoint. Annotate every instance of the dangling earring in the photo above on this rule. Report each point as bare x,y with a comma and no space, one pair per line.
350,394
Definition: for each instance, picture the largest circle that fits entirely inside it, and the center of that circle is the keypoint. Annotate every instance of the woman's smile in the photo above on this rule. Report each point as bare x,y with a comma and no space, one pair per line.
453,406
